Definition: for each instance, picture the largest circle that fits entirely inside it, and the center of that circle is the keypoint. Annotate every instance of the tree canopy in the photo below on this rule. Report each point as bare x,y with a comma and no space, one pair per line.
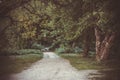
56,23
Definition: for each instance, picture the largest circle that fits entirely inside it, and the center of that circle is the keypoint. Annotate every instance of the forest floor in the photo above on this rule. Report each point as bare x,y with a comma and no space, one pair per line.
83,63
52,67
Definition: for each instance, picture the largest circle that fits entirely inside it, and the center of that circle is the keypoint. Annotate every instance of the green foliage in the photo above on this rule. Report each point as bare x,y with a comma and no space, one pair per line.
64,49
92,53
77,50
37,46
61,22
60,50
69,50
28,51
21,52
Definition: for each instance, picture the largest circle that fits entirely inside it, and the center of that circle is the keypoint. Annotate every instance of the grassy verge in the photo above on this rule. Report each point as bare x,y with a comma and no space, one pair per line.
81,63
15,64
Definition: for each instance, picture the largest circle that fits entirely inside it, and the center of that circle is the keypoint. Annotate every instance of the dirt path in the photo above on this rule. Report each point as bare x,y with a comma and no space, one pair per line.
52,67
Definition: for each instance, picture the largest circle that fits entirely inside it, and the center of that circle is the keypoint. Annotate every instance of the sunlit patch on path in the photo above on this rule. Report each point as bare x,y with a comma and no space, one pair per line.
52,67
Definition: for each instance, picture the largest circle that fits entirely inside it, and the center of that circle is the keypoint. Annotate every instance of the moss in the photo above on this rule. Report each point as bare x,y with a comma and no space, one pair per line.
81,63
15,64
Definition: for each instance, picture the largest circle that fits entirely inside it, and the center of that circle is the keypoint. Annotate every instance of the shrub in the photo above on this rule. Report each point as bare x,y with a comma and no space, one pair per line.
64,50
77,49
92,53
68,50
28,51
22,52
60,50
37,46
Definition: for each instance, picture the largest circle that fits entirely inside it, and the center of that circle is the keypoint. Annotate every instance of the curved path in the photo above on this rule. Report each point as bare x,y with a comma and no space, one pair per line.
52,67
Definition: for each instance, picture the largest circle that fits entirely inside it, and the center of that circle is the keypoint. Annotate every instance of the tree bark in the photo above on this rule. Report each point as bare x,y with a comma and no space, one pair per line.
103,44
86,45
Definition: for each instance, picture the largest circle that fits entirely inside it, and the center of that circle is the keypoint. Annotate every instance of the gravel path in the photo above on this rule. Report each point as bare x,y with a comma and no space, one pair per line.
52,67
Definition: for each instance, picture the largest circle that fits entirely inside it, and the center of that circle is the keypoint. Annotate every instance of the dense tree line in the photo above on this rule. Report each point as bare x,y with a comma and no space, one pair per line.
70,24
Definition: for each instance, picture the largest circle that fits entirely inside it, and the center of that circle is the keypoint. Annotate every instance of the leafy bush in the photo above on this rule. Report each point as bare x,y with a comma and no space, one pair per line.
77,49
21,52
64,50
60,50
92,53
28,51
37,46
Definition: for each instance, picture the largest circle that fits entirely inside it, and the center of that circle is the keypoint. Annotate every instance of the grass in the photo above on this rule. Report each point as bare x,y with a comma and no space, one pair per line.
81,63
15,64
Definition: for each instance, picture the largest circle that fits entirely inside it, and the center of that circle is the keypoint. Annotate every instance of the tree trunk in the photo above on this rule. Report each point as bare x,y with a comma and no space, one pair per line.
103,44
73,45
86,45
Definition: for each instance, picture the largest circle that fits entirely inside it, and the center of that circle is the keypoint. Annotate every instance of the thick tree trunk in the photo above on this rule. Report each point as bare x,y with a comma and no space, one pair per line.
107,43
98,34
103,44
